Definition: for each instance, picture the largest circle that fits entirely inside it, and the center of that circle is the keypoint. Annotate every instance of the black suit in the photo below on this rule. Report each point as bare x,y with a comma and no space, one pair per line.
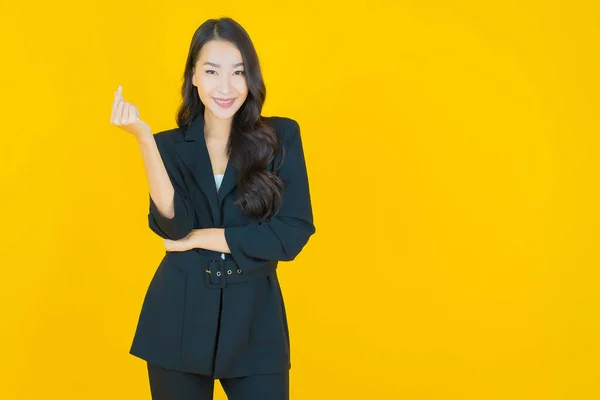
213,316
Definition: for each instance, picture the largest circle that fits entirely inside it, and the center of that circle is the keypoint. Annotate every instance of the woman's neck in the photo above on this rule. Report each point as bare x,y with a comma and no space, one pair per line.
216,128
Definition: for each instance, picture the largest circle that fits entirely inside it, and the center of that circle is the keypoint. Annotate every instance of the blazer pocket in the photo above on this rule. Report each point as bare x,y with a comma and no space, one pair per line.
267,334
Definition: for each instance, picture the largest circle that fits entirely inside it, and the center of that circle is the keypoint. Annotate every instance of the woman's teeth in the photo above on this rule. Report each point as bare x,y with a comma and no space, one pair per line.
224,103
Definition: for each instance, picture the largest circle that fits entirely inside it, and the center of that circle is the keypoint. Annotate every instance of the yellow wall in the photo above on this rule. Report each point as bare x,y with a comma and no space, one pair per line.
455,142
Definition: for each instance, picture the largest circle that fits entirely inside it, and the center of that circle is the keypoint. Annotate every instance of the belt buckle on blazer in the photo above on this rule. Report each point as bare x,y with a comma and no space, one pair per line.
219,273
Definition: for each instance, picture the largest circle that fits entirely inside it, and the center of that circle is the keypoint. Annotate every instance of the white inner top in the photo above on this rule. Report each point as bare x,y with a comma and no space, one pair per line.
218,180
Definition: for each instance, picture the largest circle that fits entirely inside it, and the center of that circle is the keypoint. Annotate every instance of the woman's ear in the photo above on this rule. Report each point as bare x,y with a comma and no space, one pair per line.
194,76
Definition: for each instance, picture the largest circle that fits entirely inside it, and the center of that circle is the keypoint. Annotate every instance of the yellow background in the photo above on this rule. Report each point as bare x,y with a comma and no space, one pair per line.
452,149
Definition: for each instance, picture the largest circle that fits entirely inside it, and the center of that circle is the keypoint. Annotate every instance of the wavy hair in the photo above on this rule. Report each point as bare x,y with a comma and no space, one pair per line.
252,144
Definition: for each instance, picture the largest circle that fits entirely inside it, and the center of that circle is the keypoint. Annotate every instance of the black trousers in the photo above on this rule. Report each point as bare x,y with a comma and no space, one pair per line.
166,384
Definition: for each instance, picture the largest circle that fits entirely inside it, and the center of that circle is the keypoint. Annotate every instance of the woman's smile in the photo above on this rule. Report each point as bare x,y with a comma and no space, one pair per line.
225,103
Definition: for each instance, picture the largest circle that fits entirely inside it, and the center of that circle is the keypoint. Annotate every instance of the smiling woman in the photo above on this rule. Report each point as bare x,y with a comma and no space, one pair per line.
229,194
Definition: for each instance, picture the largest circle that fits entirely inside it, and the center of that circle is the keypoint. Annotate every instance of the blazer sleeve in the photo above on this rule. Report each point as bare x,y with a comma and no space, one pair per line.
284,235
182,222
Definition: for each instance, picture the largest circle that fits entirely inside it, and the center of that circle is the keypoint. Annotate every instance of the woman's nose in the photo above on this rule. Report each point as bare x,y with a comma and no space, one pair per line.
225,85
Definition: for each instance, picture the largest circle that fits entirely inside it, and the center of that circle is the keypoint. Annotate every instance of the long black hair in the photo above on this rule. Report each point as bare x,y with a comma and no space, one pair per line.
252,143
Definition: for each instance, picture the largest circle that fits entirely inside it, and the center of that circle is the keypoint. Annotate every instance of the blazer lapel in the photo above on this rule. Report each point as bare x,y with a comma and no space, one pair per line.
228,183
193,152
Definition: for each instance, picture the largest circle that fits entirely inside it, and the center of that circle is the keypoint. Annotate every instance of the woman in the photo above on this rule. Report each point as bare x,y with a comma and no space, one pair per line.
229,195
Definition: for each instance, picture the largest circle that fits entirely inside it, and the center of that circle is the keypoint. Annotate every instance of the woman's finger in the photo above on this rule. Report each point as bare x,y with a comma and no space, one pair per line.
126,113
132,114
116,97
118,112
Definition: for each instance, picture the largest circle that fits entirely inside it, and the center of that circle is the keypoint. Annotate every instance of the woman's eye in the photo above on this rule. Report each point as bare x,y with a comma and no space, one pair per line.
212,70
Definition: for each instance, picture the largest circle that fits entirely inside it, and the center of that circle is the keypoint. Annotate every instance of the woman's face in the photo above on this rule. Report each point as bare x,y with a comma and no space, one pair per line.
219,76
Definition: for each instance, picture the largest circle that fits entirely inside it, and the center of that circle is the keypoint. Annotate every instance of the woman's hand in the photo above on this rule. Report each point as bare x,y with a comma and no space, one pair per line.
203,238
184,244
126,116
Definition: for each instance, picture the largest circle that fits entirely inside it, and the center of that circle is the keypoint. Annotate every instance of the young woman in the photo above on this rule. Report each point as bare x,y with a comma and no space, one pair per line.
229,195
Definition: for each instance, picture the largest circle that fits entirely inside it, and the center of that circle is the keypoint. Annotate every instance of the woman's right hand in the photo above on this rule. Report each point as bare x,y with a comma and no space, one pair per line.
126,116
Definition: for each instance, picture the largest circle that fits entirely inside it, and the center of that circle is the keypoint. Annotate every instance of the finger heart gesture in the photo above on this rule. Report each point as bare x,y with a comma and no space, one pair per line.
127,116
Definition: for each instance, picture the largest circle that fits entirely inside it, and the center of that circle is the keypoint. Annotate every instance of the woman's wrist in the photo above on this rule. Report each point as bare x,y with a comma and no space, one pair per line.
145,139
197,237
209,239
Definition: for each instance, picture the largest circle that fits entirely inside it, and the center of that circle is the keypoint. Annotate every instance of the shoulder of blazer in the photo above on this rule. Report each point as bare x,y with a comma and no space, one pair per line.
287,128
166,139
169,135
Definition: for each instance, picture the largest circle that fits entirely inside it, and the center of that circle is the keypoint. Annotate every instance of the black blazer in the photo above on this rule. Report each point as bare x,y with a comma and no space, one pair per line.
213,313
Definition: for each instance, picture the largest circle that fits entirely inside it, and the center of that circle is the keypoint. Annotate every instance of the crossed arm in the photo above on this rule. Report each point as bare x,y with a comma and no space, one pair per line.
282,237
208,238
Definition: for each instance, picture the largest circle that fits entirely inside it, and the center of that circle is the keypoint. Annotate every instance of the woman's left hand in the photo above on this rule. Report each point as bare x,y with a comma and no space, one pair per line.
184,244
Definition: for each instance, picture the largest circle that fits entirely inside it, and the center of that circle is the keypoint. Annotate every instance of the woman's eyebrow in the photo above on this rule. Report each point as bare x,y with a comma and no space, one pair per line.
219,66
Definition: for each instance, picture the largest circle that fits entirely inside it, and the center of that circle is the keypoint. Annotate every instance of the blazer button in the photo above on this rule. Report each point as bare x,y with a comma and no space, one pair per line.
218,273
239,271
228,272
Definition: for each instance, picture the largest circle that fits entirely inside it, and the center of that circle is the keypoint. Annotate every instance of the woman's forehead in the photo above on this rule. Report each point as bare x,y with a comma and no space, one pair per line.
220,54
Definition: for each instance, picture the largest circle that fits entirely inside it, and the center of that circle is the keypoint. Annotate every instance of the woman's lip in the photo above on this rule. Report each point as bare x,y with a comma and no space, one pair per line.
226,104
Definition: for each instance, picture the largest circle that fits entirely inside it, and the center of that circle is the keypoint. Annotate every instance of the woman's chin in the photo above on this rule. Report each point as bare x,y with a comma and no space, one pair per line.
223,114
